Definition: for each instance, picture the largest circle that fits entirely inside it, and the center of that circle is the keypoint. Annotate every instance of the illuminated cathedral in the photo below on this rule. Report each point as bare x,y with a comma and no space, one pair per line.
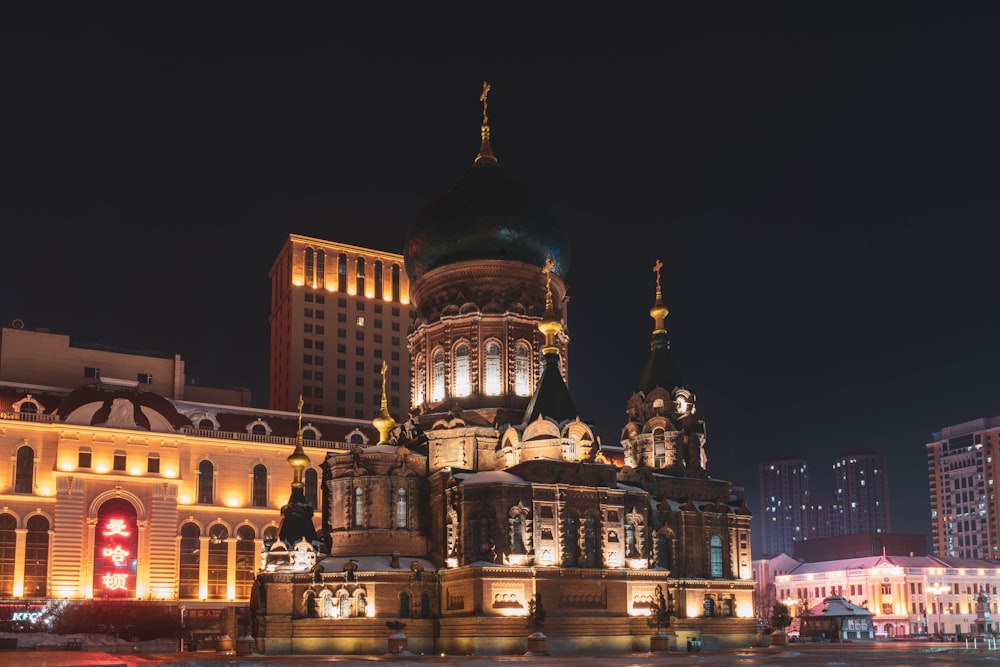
495,496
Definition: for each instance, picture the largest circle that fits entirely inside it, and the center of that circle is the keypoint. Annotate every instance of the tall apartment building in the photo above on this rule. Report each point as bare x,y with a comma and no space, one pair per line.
784,503
964,509
338,311
791,514
861,493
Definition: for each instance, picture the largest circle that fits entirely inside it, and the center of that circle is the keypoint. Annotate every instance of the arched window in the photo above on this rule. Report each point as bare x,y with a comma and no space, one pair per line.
24,470
709,605
570,540
359,280
345,605
522,370
395,283
8,544
362,605
715,547
258,429
404,605
246,562
342,272
206,482
484,541
311,480
28,411
591,552
378,280
659,448
259,495
36,558
218,561
419,378
493,384
310,269
437,388
462,382
309,433
189,561
517,534
664,551
116,545
630,544
401,517
206,425
425,605
320,278
311,605
359,506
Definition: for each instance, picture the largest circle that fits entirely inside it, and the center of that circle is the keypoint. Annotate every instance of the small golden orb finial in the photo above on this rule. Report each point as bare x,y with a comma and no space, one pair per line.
550,325
298,458
383,421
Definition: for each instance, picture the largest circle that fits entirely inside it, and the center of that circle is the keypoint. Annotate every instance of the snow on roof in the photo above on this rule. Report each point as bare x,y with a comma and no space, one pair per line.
489,477
373,563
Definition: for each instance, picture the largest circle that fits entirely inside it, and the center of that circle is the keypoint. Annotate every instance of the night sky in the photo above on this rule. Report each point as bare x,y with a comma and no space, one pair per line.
821,186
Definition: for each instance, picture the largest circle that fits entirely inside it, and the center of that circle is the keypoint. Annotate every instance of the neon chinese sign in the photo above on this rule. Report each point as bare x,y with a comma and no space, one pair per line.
115,546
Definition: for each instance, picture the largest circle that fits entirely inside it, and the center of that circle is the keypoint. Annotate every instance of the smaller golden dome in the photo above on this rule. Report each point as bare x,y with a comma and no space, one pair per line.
298,459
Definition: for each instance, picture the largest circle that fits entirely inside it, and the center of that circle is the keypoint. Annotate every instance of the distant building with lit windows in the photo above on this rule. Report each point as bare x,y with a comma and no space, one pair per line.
791,513
861,493
338,311
784,504
965,511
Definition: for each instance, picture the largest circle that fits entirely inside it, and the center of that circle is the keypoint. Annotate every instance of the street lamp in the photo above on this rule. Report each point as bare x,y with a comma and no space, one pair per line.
937,590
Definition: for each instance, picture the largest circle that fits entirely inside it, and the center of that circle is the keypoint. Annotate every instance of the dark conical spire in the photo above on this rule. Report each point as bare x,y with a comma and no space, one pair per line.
296,515
660,370
552,397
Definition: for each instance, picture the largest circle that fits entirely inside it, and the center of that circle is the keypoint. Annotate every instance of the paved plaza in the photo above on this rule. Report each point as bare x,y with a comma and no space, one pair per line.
861,654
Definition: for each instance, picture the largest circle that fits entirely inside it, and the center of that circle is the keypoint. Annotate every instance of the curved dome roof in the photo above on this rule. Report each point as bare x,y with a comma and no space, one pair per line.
486,215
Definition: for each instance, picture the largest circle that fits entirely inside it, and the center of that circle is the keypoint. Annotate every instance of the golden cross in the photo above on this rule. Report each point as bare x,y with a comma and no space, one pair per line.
300,412
482,98
384,367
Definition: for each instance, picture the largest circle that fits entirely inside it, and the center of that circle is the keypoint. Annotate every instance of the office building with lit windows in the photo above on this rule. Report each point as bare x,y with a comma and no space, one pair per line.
792,515
861,493
338,311
784,504
964,507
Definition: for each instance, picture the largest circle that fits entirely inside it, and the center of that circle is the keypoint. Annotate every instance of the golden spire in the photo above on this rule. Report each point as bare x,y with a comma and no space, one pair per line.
298,459
550,324
658,312
485,150
383,421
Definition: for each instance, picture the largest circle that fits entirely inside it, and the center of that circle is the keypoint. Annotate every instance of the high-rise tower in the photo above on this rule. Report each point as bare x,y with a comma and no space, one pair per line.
784,504
964,506
861,493
337,312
